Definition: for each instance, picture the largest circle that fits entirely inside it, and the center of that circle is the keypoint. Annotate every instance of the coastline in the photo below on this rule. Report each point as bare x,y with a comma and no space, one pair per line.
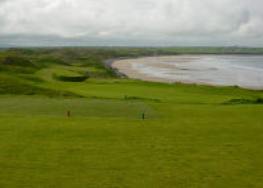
143,69
124,67
109,64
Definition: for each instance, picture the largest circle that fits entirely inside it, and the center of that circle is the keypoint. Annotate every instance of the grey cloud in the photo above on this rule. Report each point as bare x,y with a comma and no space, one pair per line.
145,21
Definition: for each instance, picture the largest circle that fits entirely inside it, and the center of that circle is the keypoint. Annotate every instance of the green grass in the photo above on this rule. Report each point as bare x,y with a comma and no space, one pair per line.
193,136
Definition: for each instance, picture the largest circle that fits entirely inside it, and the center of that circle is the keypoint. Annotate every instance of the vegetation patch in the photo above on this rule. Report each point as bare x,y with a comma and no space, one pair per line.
17,64
47,61
31,78
9,85
70,78
140,98
245,101
16,61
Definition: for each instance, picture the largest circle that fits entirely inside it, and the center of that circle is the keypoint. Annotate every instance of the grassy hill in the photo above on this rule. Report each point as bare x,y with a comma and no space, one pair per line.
192,136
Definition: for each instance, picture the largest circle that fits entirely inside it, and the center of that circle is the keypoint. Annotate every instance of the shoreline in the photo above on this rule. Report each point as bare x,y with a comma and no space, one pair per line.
109,64
127,67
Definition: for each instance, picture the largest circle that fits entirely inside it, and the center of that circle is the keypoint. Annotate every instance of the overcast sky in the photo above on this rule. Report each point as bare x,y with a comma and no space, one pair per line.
131,22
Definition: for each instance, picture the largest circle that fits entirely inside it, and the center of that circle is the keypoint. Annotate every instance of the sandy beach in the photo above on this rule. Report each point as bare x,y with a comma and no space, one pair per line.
227,70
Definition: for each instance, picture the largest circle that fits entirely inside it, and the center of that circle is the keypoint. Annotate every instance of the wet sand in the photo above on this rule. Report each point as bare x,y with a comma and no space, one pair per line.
228,70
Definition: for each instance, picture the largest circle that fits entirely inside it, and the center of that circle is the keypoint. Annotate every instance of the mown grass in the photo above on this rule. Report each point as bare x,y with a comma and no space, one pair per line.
193,136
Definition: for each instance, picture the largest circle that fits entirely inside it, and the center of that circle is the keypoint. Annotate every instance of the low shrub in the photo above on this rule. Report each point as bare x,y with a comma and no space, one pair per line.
70,78
245,101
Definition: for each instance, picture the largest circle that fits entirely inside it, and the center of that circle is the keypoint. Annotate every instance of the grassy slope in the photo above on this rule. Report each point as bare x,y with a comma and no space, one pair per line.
189,139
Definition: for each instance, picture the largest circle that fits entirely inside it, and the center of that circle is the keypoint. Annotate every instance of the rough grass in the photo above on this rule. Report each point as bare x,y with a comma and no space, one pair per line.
16,61
14,86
